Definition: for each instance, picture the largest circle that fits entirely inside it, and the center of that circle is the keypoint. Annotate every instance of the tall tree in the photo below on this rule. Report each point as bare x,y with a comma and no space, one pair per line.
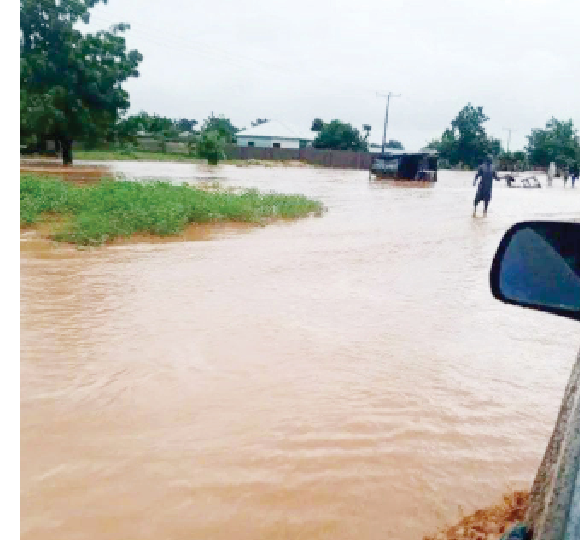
558,142
71,83
337,135
222,126
466,140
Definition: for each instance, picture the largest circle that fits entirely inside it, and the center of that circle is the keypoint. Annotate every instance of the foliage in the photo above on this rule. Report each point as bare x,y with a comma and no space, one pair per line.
132,154
466,140
317,124
222,126
513,160
558,142
96,214
211,146
186,124
128,128
71,83
339,136
396,145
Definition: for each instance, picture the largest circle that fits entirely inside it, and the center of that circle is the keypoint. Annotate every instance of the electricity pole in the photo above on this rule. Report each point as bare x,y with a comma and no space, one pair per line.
508,141
388,96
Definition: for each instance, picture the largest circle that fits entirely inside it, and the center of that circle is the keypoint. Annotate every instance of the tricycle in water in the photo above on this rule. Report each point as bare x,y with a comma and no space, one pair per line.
405,166
526,182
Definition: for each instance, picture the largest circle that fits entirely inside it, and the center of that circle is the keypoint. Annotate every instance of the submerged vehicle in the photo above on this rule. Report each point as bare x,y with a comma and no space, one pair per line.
526,182
405,166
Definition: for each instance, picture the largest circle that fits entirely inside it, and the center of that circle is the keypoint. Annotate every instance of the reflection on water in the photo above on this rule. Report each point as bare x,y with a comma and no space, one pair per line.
348,376
79,174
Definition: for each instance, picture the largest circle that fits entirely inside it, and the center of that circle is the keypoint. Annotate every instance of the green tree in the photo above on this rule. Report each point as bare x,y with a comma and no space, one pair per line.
128,128
339,136
466,140
395,145
222,126
558,142
185,124
211,146
317,124
71,83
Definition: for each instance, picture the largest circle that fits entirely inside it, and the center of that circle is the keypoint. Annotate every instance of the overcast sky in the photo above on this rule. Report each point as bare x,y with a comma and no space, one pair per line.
294,61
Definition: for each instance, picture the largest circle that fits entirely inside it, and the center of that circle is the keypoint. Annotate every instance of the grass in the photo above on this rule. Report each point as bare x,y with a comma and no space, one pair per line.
132,155
145,155
93,215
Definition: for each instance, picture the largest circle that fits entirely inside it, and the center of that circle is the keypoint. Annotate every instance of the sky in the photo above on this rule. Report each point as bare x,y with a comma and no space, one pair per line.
295,61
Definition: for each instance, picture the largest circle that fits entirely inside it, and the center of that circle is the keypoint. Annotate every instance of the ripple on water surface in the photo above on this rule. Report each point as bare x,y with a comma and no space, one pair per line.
348,376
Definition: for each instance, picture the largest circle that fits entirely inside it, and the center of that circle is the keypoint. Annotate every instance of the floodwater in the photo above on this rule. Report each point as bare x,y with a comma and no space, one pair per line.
341,377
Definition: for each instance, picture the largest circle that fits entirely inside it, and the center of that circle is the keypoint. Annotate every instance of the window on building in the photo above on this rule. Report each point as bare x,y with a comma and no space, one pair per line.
276,145
303,143
250,143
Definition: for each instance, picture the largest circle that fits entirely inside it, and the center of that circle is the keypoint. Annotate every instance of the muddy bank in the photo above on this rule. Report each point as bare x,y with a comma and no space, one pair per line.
488,523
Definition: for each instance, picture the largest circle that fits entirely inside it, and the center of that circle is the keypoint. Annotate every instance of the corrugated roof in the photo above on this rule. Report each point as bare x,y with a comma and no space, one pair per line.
278,130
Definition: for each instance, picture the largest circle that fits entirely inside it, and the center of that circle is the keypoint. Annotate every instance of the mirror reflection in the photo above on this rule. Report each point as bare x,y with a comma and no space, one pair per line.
541,266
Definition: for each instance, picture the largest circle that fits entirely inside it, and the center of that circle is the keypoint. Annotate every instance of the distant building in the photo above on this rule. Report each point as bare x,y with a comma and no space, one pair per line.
275,134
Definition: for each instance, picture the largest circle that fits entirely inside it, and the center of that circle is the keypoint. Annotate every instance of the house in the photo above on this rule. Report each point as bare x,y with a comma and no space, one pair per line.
275,134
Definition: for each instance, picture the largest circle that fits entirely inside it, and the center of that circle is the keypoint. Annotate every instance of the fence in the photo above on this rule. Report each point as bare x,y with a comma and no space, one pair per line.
338,159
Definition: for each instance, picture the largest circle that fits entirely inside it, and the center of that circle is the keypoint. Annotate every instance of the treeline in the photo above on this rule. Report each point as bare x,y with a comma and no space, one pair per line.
71,85
466,143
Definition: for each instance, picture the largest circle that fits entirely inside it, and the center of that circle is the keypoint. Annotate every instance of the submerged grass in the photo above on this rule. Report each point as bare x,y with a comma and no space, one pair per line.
93,215
133,155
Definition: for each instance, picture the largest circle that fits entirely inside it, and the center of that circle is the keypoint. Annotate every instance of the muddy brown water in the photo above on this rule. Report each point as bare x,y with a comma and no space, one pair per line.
341,377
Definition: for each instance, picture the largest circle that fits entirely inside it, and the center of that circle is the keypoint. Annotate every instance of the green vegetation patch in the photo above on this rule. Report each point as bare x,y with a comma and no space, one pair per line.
93,215
133,155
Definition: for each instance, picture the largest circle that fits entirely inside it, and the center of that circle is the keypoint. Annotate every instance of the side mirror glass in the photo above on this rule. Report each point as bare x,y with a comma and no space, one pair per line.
537,265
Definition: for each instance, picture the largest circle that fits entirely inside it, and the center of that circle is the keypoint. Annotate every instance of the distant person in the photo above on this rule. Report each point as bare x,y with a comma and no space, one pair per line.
575,172
486,173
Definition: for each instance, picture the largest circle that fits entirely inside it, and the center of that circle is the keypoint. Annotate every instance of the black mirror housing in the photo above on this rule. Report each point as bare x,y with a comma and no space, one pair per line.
537,265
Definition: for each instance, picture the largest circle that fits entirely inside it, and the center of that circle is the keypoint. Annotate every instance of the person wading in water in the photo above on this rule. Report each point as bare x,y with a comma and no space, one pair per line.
486,172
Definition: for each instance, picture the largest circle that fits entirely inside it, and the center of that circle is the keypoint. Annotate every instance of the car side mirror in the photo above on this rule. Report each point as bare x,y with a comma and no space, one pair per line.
537,265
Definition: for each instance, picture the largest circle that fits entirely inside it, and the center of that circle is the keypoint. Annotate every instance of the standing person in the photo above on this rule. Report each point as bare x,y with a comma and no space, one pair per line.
575,172
486,173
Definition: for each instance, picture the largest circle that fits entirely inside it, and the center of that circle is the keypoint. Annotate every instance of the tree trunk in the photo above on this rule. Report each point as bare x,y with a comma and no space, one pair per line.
66,151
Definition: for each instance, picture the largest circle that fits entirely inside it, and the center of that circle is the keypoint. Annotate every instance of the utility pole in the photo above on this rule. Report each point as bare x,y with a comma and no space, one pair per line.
388,96
508,140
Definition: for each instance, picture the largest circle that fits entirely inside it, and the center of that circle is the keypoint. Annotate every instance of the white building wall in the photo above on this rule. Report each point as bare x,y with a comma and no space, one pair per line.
268,142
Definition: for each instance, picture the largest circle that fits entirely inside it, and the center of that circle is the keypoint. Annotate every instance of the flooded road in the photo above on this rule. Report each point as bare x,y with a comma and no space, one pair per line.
342,377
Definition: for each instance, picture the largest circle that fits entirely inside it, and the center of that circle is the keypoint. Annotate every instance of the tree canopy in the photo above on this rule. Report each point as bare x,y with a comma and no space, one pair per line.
259,121
128,128
71,83
558,142
337,135
317,124
466,140
186,124
395,145
222,126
